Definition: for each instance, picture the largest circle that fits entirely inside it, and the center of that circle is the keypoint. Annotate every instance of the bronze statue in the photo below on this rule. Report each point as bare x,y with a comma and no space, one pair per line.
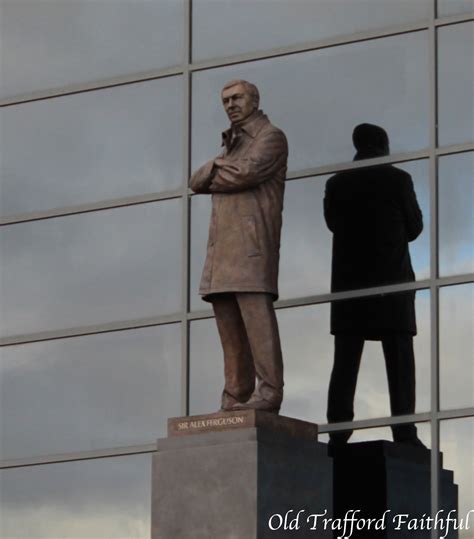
240,276
373,213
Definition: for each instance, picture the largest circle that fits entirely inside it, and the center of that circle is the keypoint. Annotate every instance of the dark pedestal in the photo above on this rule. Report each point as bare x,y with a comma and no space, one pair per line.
228,484
379,476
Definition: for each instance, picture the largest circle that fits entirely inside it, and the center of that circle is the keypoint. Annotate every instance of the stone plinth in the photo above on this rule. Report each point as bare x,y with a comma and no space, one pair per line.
228,483
380,476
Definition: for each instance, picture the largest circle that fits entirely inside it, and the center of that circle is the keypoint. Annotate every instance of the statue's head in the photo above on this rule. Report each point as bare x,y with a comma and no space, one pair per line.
240,98
370,140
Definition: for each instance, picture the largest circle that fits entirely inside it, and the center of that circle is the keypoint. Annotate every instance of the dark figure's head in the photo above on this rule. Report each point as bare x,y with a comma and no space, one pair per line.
370,141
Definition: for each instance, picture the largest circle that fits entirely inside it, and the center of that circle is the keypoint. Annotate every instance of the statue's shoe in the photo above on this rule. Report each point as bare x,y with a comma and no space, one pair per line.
257,404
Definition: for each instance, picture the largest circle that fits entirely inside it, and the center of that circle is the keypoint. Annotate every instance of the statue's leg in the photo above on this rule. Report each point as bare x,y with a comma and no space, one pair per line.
400,363
239,372
347,355
262,331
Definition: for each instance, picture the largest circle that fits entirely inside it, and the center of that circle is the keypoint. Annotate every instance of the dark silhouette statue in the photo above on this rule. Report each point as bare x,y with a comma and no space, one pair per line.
373,214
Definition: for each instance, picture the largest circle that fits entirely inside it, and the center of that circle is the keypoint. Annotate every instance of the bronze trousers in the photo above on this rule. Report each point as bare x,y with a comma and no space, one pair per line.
250,340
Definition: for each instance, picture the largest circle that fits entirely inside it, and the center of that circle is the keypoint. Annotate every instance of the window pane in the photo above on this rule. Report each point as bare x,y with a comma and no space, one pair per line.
308,350
457,446
117,389
106,498
456,218
92,146
383,81
53,43
455,7
200,217
456,83
456,346
92,268
384,433
277,23
305,263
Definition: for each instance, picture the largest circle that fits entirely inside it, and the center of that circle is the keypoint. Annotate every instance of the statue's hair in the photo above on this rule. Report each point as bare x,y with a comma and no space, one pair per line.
249,87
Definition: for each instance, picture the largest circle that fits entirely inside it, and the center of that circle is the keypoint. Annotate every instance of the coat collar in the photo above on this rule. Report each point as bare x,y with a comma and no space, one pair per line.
250,125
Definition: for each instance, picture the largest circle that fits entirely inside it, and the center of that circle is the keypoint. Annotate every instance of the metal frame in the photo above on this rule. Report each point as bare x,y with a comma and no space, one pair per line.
185,316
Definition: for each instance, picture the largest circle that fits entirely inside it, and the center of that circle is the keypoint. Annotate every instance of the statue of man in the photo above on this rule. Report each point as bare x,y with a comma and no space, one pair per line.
240,276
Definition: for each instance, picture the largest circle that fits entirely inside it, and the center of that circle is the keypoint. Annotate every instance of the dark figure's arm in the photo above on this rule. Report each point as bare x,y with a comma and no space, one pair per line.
266,157
201,180
329,210
411,210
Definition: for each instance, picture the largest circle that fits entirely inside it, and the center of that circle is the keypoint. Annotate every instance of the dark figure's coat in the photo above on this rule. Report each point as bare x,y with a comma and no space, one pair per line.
373,214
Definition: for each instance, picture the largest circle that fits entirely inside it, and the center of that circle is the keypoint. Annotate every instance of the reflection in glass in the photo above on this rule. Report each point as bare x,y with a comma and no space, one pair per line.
52,43
308,355
93,146
305,262
456,318
456,217
106,498
456,83
382,81
457,446
206,367
455,7
285,23
200,217
87,269
384,433
116,389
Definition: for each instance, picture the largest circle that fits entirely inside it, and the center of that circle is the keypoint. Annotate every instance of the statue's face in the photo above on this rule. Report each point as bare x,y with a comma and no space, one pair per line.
238,103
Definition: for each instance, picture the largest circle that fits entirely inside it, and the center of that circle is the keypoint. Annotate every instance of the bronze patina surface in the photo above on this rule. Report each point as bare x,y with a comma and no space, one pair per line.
240,276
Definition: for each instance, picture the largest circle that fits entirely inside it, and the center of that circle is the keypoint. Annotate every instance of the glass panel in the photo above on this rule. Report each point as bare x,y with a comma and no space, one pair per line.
52,43
206,368
382,81
308,350
117,389
457,445
305,264
456,218
456,317
455,7
277,23
306,243
92,146
456,83
92,268
106,498
200,217
384,433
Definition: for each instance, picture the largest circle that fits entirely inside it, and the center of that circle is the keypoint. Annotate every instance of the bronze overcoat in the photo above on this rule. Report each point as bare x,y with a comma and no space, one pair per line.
247,183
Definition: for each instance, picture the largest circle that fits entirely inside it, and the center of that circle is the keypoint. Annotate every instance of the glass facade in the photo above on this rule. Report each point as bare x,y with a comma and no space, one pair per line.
107,107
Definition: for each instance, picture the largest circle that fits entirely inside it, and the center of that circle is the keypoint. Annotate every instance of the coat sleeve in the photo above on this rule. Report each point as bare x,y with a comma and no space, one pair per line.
411,210
329,213
266,157
202,178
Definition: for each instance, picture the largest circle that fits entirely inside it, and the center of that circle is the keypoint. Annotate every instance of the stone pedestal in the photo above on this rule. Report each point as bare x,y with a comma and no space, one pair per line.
375,477
225,475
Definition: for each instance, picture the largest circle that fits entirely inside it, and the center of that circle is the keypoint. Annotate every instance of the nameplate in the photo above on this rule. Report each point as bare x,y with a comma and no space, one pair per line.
221,421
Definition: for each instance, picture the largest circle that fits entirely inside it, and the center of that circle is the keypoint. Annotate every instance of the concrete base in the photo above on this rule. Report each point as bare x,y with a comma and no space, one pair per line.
374,477
227,485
